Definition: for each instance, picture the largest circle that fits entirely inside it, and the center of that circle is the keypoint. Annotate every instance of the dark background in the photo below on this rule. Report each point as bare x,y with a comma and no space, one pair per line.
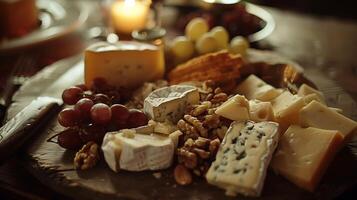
346,9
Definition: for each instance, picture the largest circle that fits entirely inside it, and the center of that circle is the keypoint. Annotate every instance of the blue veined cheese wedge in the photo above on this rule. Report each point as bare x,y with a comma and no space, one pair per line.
128,150
243,157
126,64
170,103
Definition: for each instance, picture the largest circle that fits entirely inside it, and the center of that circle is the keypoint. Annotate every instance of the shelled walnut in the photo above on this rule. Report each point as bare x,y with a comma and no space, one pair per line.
202,130
87,157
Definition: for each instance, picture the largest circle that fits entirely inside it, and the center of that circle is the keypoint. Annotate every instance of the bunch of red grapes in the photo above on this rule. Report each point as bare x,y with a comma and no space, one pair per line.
95,111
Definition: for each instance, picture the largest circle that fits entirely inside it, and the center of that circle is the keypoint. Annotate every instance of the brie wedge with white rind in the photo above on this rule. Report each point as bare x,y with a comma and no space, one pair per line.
137,152
170,103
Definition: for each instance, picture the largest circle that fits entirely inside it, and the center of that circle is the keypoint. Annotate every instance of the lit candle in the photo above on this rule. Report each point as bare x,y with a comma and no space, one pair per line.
129,15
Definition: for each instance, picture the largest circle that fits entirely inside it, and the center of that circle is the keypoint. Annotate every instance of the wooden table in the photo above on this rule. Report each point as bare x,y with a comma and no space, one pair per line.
322,45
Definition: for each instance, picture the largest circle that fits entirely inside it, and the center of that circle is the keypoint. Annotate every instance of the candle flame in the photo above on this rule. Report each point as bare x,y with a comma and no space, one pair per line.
129,2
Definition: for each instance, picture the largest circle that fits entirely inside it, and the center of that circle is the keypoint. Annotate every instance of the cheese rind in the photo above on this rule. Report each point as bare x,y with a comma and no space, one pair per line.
124,64
255,88
304,154
137,152
235,108
170,103
243,157
318,115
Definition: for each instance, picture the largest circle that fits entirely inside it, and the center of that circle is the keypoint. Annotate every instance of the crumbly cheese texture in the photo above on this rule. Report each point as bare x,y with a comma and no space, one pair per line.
304,154
318,115
124,64
235,108
137,152
255,88
170,103
243,157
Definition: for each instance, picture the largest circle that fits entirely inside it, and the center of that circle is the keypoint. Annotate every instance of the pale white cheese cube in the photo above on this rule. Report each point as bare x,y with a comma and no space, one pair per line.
236,108
261,111
255,88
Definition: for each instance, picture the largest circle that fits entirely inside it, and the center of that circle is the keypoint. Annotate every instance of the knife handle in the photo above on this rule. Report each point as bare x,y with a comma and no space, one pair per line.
25,124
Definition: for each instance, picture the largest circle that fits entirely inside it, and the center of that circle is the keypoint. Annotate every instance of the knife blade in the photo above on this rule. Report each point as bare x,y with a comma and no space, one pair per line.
33,117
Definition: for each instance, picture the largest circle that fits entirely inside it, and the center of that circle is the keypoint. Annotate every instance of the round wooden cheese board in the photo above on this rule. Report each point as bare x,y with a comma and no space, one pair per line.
53,165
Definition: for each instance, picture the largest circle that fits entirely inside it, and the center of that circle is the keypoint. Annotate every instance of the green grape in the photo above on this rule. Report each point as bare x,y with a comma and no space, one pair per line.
221,36
182,48
196,28
206,44
239,45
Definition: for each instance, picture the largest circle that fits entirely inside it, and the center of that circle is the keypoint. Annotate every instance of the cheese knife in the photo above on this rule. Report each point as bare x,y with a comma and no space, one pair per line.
29,121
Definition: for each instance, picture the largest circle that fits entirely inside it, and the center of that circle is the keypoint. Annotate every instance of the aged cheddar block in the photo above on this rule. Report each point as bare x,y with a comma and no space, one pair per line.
261,111
170,103
236,108
123,64
318,115
286,109
304,154
255,88
243,157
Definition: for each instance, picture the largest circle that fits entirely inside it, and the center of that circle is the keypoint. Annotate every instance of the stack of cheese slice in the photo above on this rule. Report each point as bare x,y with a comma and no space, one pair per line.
314,132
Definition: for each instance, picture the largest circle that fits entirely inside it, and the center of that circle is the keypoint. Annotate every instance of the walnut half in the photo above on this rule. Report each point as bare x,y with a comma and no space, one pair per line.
87,157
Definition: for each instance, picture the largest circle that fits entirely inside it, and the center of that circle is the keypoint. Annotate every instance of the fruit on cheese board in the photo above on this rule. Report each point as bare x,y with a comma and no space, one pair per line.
221,118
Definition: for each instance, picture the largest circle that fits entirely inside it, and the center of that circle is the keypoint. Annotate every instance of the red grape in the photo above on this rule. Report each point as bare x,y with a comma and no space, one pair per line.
120,115
69,117
82,86
137,118
70,139
84,105
93,133
71,95
102,98
119,112
101,114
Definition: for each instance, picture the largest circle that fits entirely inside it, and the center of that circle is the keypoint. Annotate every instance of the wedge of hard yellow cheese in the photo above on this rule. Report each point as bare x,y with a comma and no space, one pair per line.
303,154
125,64
315,114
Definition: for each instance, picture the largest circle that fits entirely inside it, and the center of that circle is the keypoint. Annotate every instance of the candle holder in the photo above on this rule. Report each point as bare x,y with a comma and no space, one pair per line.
125,16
